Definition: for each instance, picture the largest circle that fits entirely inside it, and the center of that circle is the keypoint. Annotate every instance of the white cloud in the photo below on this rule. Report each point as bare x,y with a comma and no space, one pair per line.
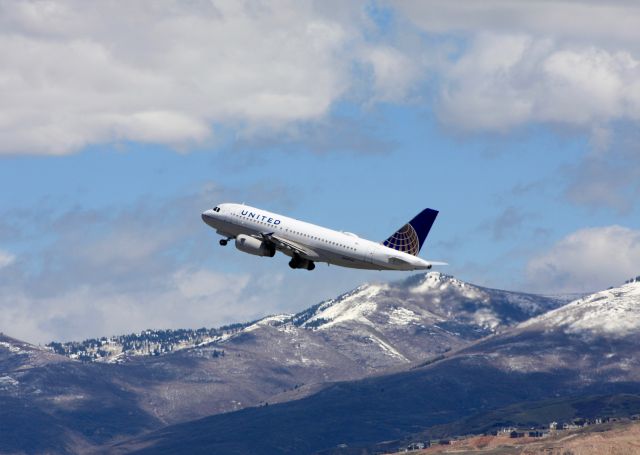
505,81
6,259
479,93
106,273
75,73
109,271
570,63
613,23
205,284
394,72
193,298
587,260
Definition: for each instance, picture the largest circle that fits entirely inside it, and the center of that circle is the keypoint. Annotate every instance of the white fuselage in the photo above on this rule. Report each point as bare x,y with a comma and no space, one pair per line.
321,244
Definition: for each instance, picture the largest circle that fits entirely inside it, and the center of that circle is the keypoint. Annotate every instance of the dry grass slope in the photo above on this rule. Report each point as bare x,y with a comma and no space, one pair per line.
619,438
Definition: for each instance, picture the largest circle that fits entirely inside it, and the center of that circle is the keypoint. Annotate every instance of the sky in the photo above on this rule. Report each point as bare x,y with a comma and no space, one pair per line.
120,122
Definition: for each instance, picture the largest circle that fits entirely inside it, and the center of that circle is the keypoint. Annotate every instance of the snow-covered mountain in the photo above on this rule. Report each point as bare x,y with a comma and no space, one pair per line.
614,313
376,325
384,325
597,337
371,330
587,348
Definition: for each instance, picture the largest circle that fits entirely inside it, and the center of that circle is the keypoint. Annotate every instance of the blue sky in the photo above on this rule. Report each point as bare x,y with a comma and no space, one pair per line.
117,133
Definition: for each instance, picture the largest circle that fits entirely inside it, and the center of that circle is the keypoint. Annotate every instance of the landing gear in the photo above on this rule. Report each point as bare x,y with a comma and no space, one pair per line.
297,262
223,242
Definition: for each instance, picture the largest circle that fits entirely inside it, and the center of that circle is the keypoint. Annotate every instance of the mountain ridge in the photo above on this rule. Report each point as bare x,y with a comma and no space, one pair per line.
320,316
374,330
526,363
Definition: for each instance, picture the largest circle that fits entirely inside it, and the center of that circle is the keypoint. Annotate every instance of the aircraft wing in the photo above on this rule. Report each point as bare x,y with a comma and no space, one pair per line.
283,244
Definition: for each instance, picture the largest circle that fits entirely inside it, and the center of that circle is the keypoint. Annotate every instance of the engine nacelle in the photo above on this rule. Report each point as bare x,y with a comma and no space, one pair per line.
251,245
297,262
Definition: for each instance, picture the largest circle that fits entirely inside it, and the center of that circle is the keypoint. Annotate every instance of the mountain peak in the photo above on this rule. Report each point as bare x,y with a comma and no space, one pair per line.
437,281
614,312
423,314
356,305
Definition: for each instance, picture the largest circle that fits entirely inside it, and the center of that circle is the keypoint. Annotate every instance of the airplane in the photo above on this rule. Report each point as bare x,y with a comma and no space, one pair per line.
262,233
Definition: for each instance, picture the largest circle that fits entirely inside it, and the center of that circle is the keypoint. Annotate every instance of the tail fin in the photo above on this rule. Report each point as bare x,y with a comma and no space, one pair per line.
410,237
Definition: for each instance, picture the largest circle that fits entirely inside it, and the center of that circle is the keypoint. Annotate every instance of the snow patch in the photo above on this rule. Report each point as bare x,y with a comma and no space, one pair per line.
68,398
354,307
403,316
13,348
273,321
288,328
388,349
8,381
486,319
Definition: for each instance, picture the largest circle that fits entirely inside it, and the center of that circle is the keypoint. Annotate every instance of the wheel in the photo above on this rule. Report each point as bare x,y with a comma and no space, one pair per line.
293,264
311,266
223,242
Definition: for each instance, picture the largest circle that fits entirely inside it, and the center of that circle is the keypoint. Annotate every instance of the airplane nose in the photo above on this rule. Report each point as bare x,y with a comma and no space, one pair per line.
207,216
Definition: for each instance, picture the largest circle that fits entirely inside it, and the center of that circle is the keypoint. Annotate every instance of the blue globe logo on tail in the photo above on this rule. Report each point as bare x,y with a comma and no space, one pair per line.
405,240
410,237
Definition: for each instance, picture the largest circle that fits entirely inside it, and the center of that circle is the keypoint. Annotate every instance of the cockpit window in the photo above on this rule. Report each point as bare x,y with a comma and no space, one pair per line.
216,209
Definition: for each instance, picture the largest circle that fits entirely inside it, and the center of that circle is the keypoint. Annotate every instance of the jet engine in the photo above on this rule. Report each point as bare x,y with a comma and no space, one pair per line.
297,262
251,245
